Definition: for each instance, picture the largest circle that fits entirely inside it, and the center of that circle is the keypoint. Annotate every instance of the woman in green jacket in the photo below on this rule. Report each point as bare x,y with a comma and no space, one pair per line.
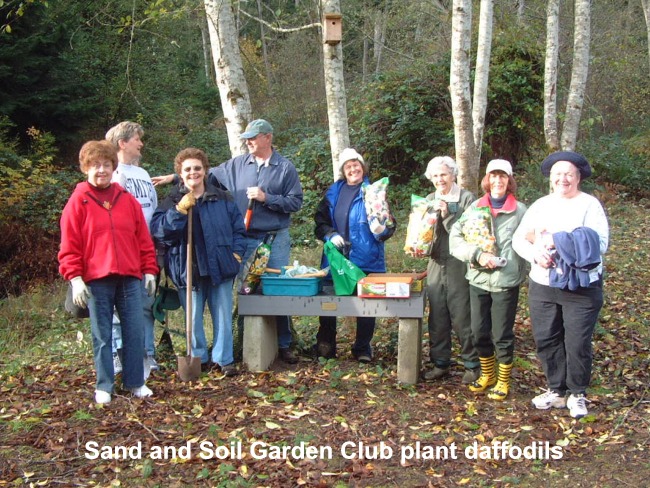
482,237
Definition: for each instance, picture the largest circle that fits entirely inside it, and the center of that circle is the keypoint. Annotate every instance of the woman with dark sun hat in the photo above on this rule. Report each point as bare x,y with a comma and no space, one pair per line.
563,236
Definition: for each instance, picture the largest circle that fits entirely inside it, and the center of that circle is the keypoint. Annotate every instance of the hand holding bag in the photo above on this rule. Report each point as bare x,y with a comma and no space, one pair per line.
345,274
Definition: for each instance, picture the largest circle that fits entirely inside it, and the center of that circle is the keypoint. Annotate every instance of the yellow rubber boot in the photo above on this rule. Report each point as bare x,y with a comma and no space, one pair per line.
488,376
500,391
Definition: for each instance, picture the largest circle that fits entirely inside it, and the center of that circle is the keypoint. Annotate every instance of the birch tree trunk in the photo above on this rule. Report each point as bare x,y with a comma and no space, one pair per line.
646,14
579,74
337,112
381,20
233,89
550,75
207,66
521,6
482,73
265,55
461,103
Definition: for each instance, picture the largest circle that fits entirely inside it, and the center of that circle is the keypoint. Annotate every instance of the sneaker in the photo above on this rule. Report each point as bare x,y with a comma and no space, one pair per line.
471,375
549,399
435,374
364,358
229,370
577,405
102,396
153,364
141,391
287,355
117,364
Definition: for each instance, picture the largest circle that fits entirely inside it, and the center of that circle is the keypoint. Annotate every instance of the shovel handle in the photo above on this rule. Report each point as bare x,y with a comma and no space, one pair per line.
249,214
188,290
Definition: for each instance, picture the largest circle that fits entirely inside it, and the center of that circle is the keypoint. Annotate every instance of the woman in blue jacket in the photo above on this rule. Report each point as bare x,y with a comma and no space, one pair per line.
218,244
342,219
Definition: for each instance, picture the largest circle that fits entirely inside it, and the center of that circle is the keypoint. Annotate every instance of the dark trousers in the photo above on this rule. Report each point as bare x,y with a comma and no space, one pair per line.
365,330
448,294
563,324
493,320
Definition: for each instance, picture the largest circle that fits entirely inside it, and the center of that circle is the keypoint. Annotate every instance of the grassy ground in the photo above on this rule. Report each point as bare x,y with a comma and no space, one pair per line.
367,429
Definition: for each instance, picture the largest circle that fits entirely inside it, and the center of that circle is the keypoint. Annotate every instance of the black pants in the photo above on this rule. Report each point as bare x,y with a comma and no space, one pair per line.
493,320
563,326
365,330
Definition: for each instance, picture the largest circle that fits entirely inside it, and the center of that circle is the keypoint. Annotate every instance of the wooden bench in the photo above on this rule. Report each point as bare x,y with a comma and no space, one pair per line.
260,334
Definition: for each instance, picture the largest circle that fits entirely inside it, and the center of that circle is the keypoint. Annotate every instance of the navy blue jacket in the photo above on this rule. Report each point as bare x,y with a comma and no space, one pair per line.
366,249
577,253
222,228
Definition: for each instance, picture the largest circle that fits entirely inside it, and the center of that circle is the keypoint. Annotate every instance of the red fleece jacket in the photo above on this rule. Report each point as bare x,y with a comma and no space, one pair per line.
103,233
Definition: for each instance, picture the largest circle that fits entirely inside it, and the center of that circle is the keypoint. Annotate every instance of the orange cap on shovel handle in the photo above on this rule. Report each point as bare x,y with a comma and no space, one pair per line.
249,213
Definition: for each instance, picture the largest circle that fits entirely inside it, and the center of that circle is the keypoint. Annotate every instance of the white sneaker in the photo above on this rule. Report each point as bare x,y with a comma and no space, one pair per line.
549,399
102,396
117,364
153,364
141,392
577,406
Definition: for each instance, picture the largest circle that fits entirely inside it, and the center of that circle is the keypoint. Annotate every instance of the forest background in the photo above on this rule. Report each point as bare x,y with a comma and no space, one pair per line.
69,70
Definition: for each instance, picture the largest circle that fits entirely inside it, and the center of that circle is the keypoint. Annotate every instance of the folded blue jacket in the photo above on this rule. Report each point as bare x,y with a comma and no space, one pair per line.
578,252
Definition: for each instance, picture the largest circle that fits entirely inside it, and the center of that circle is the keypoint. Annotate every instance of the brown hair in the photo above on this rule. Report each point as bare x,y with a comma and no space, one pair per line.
510,188
94,151
190,153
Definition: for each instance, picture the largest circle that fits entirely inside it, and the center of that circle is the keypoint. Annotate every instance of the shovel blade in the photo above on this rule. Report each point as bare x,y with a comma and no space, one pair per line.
189,368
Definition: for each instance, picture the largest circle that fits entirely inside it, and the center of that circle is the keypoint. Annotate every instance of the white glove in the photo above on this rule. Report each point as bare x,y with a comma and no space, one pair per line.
80,293
337,240
150,284
376,227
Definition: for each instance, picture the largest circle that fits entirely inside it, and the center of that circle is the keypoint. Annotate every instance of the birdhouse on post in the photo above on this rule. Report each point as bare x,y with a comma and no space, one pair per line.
332,28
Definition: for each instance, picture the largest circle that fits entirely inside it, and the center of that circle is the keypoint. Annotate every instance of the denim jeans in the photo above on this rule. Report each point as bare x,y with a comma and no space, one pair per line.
123,293
149,321
280,251
219,299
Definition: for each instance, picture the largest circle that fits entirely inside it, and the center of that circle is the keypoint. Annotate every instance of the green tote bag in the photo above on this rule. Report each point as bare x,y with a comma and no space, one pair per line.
345,274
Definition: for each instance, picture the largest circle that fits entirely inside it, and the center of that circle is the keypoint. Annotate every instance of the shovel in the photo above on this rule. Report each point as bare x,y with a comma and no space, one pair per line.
189,367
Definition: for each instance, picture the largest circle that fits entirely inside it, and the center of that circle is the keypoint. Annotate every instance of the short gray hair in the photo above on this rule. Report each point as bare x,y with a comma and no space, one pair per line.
441,160
124,131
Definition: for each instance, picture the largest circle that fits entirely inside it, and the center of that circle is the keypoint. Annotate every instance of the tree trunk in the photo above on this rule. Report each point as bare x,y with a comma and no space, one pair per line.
335,91
579,74
482,73
207,66
646,14
233,89
550,75
265,55
378,39
461,103
521,6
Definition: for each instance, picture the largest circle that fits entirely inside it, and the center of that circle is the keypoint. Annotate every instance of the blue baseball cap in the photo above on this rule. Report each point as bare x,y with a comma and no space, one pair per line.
256,127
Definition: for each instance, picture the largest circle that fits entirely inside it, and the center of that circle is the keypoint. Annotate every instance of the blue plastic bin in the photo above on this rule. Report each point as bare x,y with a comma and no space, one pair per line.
295,287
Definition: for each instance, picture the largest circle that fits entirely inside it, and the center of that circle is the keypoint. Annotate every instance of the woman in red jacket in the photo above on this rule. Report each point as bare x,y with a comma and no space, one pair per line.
105,251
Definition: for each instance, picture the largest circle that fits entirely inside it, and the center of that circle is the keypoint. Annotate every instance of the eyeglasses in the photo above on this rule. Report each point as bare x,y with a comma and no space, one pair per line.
196,169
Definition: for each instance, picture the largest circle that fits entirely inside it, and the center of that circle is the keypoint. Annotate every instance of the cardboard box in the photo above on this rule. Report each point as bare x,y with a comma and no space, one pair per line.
417,285
381,286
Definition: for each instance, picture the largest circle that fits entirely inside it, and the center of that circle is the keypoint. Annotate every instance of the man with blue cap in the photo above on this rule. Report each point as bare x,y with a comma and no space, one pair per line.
269,182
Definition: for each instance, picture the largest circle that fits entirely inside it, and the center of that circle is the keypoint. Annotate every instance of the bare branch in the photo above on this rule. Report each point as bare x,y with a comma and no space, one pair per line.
279,29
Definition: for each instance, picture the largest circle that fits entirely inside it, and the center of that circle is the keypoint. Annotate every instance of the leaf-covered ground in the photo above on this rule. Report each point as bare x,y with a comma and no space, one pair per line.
339,423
